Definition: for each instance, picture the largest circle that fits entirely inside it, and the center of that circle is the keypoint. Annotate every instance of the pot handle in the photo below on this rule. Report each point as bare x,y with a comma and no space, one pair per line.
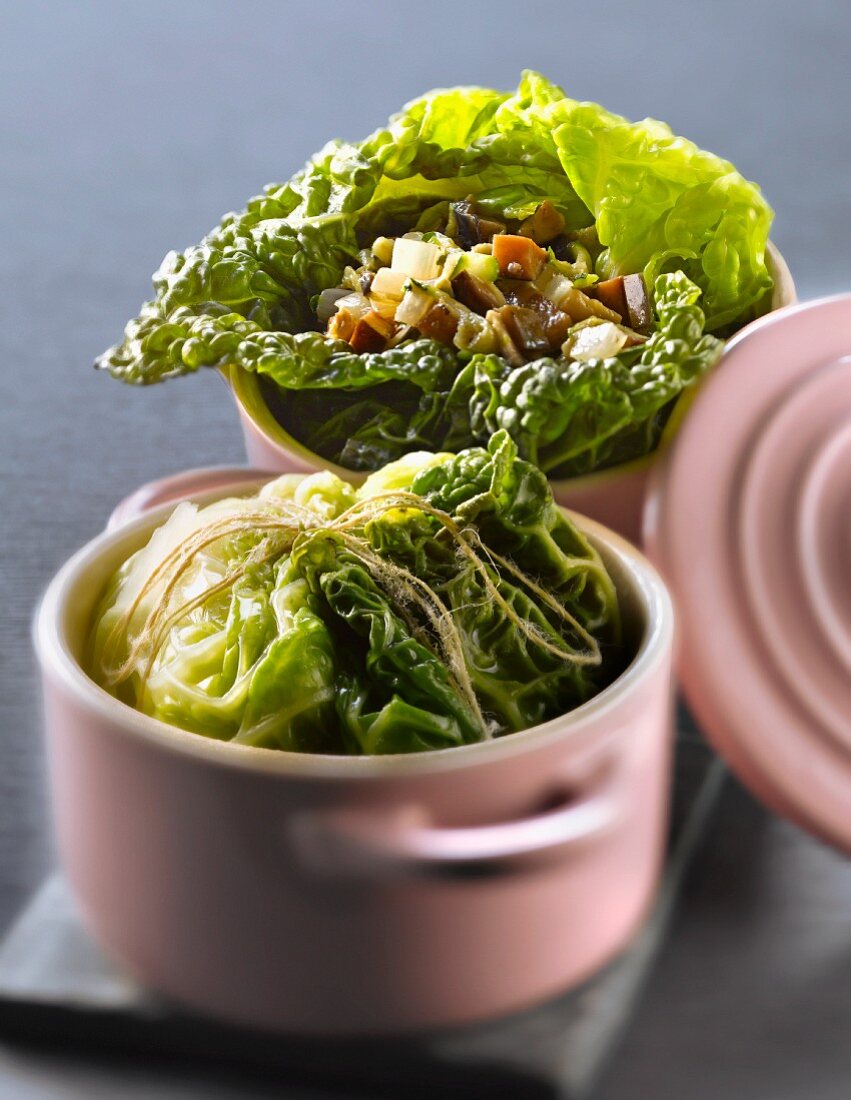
370,844
188,483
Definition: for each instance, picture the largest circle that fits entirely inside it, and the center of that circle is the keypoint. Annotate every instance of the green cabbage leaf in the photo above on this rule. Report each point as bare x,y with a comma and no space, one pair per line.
446,601
654,197
571,417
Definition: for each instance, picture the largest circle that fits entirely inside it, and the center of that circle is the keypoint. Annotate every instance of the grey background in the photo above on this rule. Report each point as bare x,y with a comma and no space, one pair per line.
128,129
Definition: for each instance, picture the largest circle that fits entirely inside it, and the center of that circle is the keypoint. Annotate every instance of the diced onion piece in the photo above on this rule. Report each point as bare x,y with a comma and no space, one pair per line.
328,302
595,342
553,285
350,310
414,306
419,259
382,249
356,304
387,291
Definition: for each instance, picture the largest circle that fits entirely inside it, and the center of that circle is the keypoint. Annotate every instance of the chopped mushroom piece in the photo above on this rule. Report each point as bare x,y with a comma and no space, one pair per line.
638,306
544,225
507,348
371,333
525,328
471,228
555,322
611,294
557,326
627,295
476,293
519,292
580,306
440,323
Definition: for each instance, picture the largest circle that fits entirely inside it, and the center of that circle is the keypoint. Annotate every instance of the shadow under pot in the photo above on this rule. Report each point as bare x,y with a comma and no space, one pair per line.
346,895
614,496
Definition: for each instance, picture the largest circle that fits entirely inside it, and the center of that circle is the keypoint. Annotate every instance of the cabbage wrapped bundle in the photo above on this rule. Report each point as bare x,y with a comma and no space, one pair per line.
487,260
445,601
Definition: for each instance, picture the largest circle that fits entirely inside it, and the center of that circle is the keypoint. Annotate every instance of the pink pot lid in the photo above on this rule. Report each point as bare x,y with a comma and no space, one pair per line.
749,519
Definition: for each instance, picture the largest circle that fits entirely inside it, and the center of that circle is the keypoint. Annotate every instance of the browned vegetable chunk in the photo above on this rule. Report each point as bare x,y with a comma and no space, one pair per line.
518,257
638,307
341,325
557,326
580,306
476,293
555,321
371,333
507,347
611,294
627,295
520,293
544,225
472,228
526,329
440,323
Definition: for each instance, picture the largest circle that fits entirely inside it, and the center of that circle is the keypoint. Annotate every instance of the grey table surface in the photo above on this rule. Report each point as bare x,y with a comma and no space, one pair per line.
126,130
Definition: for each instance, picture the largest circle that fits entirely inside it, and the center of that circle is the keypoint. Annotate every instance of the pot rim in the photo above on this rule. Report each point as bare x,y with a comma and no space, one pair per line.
258,418
57,661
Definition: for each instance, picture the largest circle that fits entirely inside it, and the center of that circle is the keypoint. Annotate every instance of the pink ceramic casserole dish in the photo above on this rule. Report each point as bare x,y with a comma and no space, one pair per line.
614,497
356,895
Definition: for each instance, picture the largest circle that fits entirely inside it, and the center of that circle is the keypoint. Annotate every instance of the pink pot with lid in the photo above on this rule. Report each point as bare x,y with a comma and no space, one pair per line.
383,894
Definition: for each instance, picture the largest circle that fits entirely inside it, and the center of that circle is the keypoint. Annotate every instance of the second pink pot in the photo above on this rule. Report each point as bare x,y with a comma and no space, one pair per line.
357,895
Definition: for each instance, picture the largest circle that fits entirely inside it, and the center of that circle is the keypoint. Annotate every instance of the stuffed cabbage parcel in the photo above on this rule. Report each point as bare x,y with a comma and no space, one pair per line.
444,602
488,260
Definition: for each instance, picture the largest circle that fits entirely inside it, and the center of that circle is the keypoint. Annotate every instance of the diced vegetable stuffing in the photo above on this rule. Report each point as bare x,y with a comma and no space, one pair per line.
423,284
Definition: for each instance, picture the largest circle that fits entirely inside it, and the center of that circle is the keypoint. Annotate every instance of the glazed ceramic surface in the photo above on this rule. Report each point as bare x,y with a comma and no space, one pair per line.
612,497
356,895
754,538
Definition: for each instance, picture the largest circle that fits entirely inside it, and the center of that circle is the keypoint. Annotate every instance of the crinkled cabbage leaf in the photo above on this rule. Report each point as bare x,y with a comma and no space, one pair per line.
574,417
243,297
445,601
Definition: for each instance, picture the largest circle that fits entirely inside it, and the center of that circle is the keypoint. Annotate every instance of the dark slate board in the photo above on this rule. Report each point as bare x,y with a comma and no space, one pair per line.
56,990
